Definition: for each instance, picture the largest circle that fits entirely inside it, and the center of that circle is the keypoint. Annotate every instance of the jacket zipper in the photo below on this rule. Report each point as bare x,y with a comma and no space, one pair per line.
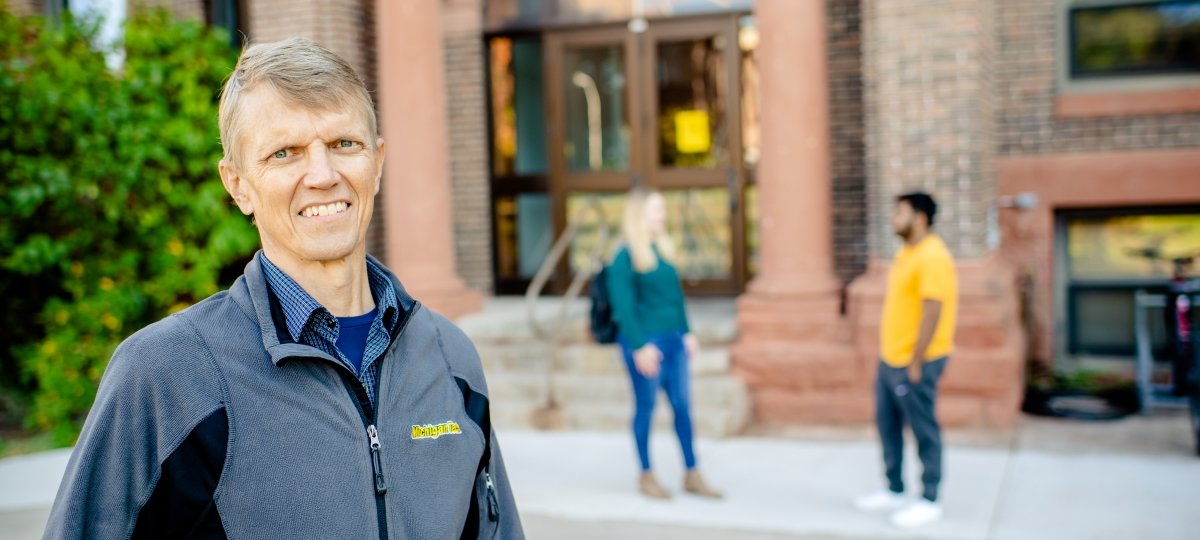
370,418
368,415
376,462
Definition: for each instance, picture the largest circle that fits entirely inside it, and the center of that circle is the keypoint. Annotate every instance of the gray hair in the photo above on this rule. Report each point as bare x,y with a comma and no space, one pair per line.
299,71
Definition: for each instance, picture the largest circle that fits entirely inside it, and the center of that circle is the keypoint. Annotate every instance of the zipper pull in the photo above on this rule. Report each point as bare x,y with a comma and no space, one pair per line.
376,461
493,504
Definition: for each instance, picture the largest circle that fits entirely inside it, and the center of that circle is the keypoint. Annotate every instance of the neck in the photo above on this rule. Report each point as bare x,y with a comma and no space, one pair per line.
340,285
916,236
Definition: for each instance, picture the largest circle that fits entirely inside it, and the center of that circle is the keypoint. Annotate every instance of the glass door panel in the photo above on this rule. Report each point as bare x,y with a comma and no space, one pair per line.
693,89
597,134
661,108
689,88
698,222
612,207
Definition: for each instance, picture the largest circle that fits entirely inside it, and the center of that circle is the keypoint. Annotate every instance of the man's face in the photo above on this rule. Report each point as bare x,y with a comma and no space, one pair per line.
903,218
308,176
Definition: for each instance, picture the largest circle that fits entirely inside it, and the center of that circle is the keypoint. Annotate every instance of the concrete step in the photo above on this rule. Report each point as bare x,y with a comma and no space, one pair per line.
505,320
583,358
591,381
707,420
577,388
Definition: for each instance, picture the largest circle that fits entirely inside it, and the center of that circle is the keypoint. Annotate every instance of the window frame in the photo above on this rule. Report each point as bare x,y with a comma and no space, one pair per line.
1118,82
1067,290
508,185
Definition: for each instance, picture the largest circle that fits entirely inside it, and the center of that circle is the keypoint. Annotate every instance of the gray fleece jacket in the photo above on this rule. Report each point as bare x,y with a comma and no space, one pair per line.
212,423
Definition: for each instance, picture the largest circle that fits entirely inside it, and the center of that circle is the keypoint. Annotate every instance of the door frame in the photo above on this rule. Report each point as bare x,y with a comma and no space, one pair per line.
641,108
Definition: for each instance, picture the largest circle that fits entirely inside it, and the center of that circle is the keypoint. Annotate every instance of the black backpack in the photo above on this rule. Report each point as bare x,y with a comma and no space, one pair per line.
604,328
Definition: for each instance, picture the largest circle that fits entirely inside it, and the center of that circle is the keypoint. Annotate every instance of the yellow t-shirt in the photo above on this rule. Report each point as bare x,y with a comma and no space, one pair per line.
921,272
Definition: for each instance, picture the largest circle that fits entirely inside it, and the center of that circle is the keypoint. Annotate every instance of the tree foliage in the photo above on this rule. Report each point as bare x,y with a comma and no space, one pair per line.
113,213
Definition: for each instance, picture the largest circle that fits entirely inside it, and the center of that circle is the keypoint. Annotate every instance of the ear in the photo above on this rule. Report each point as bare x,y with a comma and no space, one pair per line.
381,155
236,186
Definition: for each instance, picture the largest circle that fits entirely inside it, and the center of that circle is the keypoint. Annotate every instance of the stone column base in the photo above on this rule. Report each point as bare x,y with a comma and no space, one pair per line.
796,356
804,363
449,297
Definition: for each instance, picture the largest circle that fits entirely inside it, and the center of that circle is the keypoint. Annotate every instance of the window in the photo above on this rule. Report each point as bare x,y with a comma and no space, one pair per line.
522,209
1109,257
229,15
1122,39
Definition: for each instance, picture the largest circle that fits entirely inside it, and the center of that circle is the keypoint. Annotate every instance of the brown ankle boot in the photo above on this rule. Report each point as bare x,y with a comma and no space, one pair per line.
650,487
694,483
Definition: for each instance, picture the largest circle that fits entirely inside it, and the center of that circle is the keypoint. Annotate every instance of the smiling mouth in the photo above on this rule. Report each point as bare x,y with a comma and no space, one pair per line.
322,210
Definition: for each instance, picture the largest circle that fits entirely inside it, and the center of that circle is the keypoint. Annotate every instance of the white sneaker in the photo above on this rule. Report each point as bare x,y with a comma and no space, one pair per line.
880,500
917,513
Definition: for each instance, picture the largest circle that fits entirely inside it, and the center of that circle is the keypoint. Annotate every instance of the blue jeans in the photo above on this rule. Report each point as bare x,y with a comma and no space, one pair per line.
899,402
673,378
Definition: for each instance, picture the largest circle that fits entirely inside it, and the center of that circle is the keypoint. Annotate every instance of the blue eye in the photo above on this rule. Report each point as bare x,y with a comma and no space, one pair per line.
345,143
280,154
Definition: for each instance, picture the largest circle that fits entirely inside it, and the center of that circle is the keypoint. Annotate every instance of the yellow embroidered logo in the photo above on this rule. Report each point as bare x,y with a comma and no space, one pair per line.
433,431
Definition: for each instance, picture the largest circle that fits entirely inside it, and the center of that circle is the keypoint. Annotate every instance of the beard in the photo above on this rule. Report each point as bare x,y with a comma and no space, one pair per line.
904,231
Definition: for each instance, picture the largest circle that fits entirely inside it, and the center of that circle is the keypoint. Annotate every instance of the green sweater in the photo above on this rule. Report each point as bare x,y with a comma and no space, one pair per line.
645,304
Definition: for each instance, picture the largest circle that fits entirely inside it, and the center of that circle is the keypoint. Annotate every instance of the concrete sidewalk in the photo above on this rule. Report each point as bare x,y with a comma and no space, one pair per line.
581,485
802,489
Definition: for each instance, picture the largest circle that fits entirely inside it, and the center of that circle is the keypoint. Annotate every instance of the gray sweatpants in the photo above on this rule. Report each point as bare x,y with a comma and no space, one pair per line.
899,402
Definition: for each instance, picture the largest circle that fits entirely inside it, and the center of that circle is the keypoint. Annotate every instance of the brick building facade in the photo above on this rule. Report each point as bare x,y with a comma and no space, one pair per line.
973,100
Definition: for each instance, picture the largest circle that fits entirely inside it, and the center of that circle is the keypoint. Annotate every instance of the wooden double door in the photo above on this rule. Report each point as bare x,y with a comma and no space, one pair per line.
661,108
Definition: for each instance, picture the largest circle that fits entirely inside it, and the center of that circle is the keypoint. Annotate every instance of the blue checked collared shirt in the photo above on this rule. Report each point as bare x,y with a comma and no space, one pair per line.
309,323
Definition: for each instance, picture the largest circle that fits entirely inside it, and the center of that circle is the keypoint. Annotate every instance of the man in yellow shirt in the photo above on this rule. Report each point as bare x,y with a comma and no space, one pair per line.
916,338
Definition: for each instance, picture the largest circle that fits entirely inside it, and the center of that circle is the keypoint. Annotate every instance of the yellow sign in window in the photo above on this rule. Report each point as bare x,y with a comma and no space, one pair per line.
692,135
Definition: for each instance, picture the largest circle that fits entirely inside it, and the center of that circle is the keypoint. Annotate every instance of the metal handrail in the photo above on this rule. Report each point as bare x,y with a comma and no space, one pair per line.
560,247
550,416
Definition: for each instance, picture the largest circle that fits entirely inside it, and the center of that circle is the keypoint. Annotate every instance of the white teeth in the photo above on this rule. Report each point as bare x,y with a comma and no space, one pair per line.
325,209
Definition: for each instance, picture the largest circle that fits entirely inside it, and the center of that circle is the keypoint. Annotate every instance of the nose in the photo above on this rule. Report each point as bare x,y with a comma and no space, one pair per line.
320,173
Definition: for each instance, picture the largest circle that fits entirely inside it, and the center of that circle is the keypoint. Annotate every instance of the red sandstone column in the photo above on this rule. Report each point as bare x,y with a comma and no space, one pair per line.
796,239
794,350
416,182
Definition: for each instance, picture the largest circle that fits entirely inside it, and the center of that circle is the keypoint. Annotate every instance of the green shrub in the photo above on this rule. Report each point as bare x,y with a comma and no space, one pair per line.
113,212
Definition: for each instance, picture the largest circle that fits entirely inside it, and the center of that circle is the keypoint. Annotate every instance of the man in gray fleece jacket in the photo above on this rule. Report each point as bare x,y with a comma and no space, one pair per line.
313,399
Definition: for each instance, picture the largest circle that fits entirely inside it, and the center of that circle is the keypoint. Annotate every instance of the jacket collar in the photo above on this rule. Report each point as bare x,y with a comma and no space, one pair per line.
254,296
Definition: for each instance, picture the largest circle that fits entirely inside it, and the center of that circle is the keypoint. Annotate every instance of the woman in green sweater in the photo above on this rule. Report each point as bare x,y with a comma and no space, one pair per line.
653,332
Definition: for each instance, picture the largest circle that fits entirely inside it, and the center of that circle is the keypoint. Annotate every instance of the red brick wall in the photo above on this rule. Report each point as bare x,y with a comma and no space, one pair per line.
1135,178
1027,88
929,73
1100,158
462,26
335,24
846,138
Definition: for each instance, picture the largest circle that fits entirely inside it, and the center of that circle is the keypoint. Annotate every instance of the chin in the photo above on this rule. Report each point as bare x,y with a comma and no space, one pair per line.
331,252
